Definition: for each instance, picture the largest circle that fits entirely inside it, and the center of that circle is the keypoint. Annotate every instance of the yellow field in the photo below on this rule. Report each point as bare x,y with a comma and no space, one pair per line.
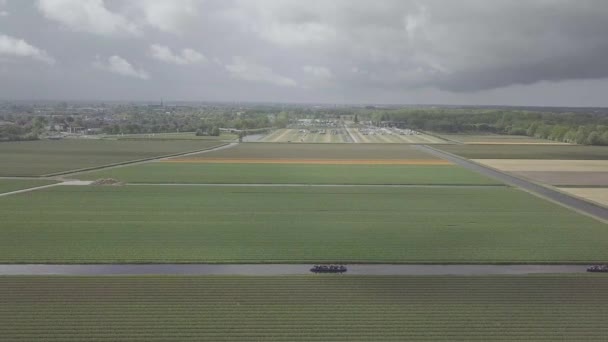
513,165
597,195
429,162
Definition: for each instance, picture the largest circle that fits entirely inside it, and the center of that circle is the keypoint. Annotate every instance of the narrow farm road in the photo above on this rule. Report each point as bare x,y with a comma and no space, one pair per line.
283,269
29,189
558,197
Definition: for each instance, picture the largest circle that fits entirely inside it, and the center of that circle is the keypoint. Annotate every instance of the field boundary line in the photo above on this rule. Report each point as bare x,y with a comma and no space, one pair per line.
540,190
287,269
137,161
475,186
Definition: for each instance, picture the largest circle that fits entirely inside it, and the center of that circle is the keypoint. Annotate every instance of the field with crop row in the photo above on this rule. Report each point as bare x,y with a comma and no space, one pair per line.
294,136
230,173
573,152
259,163
394,138
305,308
35,158
8,185
317,151
293,224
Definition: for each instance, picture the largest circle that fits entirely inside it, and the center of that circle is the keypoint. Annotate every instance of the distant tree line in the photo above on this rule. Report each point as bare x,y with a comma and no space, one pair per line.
203,123
579,128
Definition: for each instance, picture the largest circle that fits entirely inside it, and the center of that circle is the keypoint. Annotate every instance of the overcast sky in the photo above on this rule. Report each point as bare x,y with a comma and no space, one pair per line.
532,52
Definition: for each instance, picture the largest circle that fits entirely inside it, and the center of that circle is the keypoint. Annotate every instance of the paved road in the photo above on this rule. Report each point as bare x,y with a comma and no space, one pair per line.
545,192
280,269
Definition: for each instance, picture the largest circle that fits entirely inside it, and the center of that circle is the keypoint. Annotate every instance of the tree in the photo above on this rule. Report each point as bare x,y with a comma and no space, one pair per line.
581,136
215,131
594,138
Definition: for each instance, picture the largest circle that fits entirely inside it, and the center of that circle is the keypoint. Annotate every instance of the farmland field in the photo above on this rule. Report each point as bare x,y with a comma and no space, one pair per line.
497,139
236,173
305,308
567,178
292,225
8,185
317,151
597,195
293,135
546,165
573,152
35,158
347,135
555,172
394,138
300,164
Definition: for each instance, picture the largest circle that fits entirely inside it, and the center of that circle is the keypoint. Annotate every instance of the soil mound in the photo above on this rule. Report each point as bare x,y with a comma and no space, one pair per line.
107,181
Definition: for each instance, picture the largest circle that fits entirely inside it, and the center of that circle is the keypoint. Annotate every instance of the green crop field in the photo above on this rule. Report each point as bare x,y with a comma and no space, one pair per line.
96,224
578,152
207,173
304,308
35,158
318,151
8,185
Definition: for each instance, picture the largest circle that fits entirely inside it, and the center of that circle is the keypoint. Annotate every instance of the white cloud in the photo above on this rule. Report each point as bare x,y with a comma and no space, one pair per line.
318,72
185,57
243,69
171,16
90,16
14,47
286,22
121,66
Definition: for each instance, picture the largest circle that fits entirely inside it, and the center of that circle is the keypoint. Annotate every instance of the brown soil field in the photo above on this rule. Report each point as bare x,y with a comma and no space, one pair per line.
567,177
317,152
312,161
514,165
599,195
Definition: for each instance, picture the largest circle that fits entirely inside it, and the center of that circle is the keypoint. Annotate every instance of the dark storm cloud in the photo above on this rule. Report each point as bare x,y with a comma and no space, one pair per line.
293,50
